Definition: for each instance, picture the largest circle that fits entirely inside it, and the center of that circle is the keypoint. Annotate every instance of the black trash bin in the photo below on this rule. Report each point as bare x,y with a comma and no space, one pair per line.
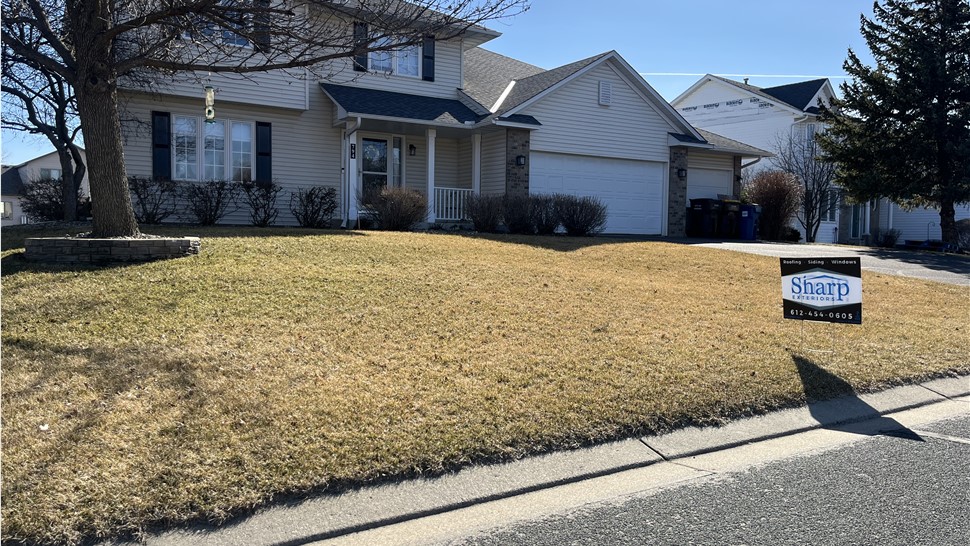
749,219
704,213
730,219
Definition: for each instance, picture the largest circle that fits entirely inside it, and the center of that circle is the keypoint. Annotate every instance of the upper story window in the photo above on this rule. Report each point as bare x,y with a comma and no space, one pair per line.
236,25
7,212
226,152
50,174
415,61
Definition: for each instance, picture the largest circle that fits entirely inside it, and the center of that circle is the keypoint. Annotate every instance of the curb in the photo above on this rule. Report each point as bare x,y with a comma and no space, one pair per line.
371,507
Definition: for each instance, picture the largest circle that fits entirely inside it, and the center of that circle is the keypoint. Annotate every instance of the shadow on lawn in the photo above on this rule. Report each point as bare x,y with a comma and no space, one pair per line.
559,243
831,399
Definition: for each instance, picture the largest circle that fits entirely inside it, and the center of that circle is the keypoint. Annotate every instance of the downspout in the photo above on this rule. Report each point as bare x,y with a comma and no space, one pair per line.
345,173
743,167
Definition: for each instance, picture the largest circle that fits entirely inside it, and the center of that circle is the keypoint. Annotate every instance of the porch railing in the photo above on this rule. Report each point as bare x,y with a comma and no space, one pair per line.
449,204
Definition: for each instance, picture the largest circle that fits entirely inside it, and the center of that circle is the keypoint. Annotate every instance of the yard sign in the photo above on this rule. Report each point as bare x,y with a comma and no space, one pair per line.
822,289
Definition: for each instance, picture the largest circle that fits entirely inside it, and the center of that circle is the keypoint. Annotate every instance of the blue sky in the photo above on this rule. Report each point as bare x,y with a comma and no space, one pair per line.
756,38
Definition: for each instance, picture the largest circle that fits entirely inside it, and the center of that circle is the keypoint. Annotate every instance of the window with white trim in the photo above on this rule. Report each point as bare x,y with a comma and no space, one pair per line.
226,153
7,210
404,61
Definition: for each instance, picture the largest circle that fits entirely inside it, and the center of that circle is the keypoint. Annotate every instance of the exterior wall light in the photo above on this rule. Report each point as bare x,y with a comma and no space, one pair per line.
412,150
682,173
520,160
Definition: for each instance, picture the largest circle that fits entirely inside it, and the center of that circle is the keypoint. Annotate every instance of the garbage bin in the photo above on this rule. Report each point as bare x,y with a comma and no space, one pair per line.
749,218
705,214
730,219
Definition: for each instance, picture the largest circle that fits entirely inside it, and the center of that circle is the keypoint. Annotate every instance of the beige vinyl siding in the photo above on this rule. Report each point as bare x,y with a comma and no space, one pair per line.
277,89
464,179
493,163
574,122
708,160
306,147
416,168
447,75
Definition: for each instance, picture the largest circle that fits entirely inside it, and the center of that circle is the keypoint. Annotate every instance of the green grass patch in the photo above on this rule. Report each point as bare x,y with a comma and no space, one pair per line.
280,362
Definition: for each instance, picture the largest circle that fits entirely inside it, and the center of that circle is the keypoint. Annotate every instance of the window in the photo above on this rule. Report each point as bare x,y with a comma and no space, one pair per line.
7,210
226,151
833,206
405,61
233,22
185,133
242,151
51,174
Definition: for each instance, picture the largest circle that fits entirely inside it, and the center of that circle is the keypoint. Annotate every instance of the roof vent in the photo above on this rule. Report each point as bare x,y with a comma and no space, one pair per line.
606,93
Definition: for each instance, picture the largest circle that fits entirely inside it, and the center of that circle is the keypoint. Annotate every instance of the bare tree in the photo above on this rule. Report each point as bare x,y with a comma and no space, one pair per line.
39,102
797,153
94,45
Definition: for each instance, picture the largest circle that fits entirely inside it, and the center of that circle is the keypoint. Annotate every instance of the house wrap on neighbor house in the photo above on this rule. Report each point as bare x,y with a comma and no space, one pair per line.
760,115
447,119
13,178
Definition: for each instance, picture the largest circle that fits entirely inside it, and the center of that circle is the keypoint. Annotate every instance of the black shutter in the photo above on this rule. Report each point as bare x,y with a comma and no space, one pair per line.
162,145
360,40
264,152
261,34
427,57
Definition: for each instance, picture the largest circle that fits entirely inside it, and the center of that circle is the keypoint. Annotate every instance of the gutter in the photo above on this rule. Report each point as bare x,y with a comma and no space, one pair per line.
750,164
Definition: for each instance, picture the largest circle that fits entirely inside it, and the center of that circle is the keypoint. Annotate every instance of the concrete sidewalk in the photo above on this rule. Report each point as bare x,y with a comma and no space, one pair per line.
331,516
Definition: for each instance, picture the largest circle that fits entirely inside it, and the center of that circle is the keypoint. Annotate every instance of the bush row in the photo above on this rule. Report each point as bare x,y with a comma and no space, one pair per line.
542,214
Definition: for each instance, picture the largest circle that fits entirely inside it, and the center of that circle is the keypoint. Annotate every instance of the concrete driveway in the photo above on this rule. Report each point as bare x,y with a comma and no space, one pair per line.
938,267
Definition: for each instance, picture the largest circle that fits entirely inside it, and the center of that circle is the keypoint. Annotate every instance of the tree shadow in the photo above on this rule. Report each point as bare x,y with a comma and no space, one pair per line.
939,261
559,242
836,406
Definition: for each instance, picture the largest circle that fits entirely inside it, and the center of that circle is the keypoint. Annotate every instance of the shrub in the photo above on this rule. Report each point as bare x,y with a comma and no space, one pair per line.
779,194
581,216
888,238
485,212
792,235
395,209
153,199
517,214
314,207
543,215
210,201
43,199
963,234
261,199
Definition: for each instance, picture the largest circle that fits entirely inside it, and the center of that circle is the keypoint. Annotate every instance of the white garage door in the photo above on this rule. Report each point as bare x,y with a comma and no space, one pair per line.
631,190
708,183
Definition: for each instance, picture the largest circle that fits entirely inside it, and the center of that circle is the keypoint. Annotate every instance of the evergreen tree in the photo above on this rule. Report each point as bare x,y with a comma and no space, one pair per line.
902,128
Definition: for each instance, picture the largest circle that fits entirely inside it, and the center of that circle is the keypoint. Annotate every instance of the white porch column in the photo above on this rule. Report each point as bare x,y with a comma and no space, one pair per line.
352,181
476,163
432,133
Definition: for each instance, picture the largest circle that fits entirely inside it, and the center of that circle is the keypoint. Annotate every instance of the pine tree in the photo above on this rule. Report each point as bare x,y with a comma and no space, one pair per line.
902,127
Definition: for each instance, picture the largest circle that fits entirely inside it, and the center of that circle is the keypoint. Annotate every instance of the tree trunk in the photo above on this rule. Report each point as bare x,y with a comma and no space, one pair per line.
68,192
111,209
948,224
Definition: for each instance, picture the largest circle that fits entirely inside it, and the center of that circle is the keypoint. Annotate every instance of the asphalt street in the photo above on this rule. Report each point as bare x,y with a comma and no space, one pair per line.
904,487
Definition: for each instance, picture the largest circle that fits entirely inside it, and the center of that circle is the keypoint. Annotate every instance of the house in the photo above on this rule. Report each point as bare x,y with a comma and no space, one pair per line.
13,178
447,118
760,115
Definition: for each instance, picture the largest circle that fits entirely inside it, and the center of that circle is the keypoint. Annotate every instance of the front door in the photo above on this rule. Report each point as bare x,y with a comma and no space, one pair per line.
382,163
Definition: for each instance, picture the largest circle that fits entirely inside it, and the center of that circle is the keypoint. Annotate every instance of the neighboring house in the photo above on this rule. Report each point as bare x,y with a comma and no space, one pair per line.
447,119
760,115
13,178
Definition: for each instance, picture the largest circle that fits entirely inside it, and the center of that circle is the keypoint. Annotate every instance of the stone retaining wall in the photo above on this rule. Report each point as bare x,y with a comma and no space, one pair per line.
68,250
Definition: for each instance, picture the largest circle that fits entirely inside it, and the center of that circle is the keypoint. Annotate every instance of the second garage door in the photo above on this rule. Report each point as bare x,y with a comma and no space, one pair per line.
631,190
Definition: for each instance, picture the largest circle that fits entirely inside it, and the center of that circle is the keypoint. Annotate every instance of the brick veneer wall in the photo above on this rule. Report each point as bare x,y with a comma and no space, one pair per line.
677,194
516,176
69,250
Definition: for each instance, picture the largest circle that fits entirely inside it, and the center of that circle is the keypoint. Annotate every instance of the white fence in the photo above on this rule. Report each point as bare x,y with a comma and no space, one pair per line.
449,204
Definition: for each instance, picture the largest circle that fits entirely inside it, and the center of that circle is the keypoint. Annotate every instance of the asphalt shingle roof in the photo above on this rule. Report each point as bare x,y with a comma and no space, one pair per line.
726,144
400,105
487,74
11,183
795,95
527,88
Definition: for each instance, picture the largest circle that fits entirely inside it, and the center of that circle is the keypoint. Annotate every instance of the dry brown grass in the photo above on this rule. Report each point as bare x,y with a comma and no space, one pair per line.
297,361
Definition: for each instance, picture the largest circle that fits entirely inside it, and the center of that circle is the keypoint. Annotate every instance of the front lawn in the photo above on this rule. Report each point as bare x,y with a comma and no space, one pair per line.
279,362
